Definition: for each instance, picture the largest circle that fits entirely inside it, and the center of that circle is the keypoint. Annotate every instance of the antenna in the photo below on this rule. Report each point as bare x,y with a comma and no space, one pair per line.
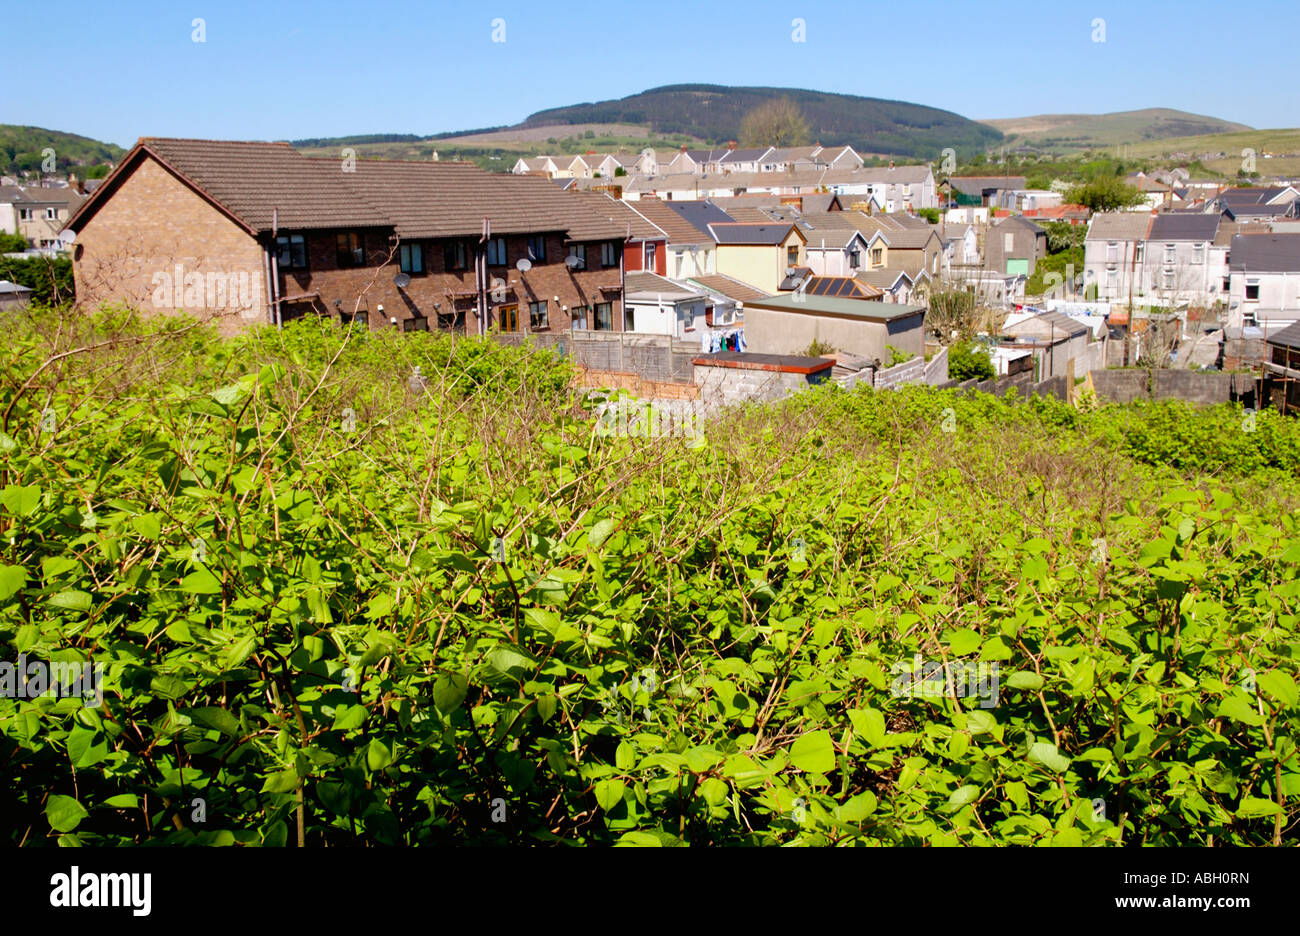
401,280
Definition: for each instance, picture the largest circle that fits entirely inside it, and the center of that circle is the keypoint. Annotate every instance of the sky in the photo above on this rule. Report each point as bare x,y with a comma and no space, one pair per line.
117,71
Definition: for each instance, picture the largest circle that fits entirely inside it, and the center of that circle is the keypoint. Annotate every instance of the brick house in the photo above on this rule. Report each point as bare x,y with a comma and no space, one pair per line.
258,233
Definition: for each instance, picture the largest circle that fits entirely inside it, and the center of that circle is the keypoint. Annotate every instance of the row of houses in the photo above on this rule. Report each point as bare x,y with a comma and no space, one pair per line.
1250,270
686,161
38,213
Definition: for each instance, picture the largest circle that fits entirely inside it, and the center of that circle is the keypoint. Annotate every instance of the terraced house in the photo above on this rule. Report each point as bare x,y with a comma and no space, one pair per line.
257,233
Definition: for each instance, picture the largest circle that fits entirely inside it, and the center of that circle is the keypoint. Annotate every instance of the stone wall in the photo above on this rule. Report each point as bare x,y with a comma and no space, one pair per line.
908,372
1124,386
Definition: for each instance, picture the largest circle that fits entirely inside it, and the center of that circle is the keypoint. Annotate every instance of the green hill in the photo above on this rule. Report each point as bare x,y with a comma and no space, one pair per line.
21,149
1071,132
715,112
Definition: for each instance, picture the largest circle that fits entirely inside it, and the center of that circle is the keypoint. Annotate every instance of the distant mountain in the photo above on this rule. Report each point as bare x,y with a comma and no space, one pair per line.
1071,132
22,149
714,113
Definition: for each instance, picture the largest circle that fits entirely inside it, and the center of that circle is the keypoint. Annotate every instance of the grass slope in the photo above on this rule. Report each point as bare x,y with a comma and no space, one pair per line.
21,149
1070,132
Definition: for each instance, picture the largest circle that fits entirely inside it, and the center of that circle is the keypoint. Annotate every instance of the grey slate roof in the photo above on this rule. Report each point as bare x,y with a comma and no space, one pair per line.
1265,253
752,234
1184,227
1288,337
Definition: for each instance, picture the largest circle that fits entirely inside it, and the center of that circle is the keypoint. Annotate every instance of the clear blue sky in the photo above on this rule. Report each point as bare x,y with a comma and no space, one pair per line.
285,70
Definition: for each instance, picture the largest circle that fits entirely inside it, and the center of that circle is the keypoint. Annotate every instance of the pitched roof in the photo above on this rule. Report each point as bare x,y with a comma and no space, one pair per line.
728,286
1183,227
1119,225
904,175
1020,221
623,214
678,229
1033,324
746,155
262,185
734,233
840,308
1288,337
843,287
652,285
976,185
1265,253
883,278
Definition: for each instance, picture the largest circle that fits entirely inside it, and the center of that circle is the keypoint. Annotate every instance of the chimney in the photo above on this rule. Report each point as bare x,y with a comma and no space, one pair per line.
683,147
731,144
891,164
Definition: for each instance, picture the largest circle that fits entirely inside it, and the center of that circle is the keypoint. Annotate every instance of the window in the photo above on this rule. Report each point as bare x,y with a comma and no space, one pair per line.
415,324
1226,284
1169,252
854,258
454,256
1112,282
350,251
1139,252
1198,253
1112,251
1252,290
411,258
26,214
609,254
604,316
508,317
496,251
877,256
1008,243
537,316
1167,279
678,258
629,319
579,251
291,251
792,255
537,248
579,316
51,214
650,257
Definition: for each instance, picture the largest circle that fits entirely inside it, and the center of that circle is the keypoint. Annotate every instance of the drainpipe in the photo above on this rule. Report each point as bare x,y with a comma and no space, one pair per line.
274,294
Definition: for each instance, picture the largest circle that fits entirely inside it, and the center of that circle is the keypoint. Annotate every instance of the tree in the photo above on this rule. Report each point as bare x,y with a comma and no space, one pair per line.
1062,235
777,122
1104,193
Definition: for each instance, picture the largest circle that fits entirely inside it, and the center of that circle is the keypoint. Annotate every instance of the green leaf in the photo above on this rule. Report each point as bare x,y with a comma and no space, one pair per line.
858,808
349,717
201,582
12,579
600,532
449,692
378,756
1280,686
1238,709
963,641
870,724
123,801
609,793
1031,682
71,600
282,781
1047,755
1254,806
813,752
212,716
20,501
64,813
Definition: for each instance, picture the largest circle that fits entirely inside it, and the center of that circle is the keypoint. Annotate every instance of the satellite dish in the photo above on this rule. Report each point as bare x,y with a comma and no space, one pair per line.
524,265
789,271
573,263
401,280
68,236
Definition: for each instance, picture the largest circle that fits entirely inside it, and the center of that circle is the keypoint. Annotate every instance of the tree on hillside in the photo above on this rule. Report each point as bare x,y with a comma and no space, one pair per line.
777,122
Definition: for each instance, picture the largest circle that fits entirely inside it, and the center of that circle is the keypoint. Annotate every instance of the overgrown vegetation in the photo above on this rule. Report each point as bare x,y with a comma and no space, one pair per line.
337,605
967,359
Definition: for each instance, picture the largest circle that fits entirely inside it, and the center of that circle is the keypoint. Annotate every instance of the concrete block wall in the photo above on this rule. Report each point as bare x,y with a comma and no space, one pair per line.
908,372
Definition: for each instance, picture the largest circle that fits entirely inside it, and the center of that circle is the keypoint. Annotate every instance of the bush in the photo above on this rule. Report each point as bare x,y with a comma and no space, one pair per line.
344,611
969,359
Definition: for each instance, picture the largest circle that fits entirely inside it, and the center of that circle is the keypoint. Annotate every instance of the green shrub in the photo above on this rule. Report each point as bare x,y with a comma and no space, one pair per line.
342,611
968,359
